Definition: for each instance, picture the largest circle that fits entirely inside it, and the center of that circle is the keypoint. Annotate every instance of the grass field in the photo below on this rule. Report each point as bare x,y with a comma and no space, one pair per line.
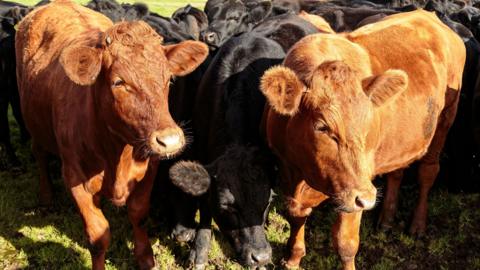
39,238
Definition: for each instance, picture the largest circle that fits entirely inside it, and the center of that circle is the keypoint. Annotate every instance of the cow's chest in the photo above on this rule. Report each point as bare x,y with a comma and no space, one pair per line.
119,178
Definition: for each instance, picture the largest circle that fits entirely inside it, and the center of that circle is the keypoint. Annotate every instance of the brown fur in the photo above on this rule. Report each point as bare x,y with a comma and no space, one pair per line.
363,113
317,21
96,94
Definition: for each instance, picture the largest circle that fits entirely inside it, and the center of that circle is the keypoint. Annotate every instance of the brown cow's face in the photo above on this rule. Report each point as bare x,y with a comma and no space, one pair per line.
132,89
330,134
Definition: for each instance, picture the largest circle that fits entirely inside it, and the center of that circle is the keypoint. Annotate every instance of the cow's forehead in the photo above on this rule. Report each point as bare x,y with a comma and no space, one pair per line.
131,34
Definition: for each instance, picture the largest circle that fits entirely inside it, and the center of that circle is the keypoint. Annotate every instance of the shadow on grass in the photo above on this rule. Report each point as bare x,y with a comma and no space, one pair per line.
52,238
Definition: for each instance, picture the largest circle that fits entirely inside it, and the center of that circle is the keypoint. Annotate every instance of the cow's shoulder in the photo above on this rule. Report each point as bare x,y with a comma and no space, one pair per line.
420,35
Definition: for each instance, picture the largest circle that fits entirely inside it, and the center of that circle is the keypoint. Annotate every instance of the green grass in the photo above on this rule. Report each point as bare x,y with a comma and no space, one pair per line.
38,238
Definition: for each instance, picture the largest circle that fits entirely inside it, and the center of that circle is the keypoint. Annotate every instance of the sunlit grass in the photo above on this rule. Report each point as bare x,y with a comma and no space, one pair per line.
36,238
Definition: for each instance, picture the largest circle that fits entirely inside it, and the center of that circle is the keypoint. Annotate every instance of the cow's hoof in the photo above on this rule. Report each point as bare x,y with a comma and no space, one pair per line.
147,264
384,225
194,262
417,229
199,266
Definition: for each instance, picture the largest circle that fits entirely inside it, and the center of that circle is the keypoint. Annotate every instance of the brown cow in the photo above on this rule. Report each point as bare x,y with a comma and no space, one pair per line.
345,108
95,93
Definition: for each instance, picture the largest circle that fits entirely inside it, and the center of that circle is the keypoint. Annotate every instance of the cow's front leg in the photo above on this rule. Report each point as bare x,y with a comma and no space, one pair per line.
138,208
299,208
95,224
346,237
296,241
199,253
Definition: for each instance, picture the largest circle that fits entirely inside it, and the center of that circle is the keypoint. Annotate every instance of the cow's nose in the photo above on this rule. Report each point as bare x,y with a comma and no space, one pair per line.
209,37
168,142
365,200
261,257
364,203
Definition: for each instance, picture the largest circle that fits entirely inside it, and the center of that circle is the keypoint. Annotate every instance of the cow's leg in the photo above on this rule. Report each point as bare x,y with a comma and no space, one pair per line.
94,222
138,208
184,207
296,241
299,208
346,237
17,113
45,183
429,165
199,252
390,202
10,159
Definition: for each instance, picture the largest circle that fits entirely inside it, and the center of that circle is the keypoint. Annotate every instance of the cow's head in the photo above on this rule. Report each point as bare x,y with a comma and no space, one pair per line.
233,17
130,71
192,19
329,135
239,185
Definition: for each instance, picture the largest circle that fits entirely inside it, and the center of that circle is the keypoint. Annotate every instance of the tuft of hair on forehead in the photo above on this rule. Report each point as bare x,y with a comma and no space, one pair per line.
335,72
328,78
131,33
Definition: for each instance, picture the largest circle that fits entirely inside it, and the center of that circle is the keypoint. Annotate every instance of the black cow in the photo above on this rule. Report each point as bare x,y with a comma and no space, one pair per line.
192,20
173,30
10,14
238,171
476,119
167,28
232,17
347,18
118,12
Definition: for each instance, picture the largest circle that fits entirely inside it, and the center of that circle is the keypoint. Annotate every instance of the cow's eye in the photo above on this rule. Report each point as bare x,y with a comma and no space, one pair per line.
321,126
118,82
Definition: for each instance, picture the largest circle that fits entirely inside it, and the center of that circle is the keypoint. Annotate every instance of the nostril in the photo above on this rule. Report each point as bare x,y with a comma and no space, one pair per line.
260,258
210,37
359,202
160,142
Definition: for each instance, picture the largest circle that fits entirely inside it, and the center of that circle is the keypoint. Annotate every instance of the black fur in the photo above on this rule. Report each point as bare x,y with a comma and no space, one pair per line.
191,177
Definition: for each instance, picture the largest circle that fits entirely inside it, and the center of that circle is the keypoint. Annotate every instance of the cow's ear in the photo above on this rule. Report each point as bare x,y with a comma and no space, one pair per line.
82,64
186,56
384,87
191,177
283,89
258,10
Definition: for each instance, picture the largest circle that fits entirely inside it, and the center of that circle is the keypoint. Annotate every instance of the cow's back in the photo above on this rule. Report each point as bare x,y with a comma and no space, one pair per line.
433,56
45,90
420,36
44,32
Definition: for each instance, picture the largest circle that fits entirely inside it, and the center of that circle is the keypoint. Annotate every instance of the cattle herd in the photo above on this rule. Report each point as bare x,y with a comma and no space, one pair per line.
222,106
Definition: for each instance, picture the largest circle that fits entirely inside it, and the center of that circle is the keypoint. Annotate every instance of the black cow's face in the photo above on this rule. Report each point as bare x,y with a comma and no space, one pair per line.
239,187
234,17
241,195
